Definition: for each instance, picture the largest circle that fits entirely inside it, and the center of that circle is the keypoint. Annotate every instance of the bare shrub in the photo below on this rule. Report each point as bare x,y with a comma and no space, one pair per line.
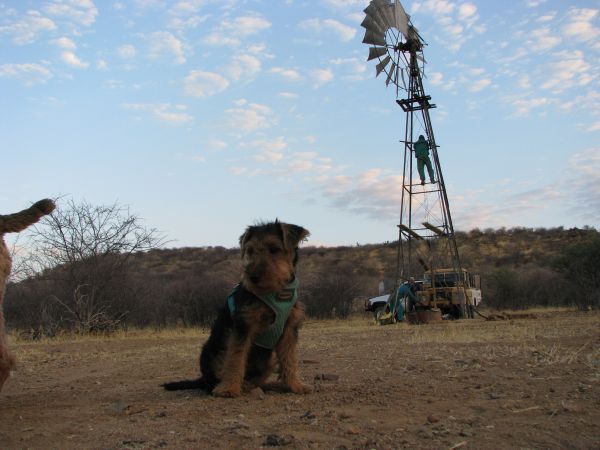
80,264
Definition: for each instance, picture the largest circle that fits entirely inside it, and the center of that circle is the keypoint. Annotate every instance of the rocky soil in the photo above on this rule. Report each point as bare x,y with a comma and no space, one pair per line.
530,382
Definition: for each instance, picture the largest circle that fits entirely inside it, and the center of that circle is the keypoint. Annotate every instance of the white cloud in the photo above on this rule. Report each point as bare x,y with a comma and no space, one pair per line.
288,95
243,65
245,26
480,84
569,70
82,12
588,102
273,145
580,26
65,42
435,78
27,29
344,32
248,118
347,4
437,7
356,67
232,32
459,22
524,106
184,14
102,65
126,51
270,150
162,44
29,74
584,179
217,144
199,83
466,11
370,193
321,77
288,74
268,156
165,112
543,39
524,81
594,127
71,59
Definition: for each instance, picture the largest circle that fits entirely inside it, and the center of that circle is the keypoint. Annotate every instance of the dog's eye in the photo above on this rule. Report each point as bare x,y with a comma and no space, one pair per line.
250,251
274,250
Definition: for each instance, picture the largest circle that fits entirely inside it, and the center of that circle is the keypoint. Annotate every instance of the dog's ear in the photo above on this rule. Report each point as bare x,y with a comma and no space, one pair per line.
292,234
245,237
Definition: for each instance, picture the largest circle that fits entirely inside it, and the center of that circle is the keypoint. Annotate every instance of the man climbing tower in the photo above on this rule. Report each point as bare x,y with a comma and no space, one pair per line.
421,148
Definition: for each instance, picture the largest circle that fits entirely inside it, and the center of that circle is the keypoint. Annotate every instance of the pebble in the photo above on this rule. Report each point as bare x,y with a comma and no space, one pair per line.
432,419
276,440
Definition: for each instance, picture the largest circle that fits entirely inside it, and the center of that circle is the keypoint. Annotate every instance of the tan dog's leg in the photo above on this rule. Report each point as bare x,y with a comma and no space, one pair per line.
7,360
234,366
286,354
254,320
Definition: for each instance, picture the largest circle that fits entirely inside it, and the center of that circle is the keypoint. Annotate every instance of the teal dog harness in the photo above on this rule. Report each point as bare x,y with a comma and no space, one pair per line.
281,303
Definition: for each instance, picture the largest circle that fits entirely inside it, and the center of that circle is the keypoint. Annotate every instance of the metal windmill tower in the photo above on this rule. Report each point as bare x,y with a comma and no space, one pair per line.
426,239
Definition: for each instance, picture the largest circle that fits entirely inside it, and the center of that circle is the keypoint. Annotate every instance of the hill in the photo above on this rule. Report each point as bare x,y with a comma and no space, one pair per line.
519,267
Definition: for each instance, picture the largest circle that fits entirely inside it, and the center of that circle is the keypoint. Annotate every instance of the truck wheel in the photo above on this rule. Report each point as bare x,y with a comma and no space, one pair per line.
378,311
457,312
470,311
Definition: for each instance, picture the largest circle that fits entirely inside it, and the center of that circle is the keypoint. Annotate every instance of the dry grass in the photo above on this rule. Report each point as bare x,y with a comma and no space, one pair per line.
131,333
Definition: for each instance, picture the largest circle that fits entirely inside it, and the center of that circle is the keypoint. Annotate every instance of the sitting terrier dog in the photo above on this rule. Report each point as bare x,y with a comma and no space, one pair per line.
260,316
13,223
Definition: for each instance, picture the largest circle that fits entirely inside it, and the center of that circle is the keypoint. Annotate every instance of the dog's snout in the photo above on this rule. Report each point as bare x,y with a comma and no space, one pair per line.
255,278
255,273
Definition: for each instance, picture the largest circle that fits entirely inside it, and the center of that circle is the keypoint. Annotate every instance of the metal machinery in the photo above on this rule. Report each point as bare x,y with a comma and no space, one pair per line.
426,240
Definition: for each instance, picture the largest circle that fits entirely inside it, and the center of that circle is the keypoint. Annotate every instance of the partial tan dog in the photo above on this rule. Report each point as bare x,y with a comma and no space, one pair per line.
261,316
13,223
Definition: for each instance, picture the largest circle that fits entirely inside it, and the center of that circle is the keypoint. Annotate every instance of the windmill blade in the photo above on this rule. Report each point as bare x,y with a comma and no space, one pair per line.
401,18
382,65
376,13
374,38
402,75
376,52
413,34
393,71
386,10
371,24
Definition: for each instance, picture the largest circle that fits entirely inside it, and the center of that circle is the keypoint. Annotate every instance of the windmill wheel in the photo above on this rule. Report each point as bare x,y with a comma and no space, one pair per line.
391,35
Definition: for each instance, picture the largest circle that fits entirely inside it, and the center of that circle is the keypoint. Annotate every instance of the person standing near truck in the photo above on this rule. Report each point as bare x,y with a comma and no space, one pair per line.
403,292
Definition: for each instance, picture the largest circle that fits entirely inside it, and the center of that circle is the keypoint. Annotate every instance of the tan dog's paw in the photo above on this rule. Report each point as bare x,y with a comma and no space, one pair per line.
300,388
228,391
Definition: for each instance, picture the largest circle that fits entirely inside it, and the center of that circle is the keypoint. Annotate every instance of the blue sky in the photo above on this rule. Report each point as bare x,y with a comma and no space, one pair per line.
205,116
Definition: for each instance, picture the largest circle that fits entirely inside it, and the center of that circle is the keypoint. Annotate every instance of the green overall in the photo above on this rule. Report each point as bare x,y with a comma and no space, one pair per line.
422,154
281,303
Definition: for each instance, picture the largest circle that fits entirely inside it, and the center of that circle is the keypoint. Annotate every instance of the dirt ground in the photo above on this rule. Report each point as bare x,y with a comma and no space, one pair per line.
523,383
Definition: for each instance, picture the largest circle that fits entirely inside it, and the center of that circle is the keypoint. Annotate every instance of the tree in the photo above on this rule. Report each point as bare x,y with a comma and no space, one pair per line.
83,254
580,264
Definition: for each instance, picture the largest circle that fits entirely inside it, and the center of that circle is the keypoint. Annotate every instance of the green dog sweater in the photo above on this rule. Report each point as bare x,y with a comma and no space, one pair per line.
281,303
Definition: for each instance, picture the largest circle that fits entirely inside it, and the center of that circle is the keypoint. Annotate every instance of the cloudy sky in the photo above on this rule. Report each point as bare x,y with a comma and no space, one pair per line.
205,116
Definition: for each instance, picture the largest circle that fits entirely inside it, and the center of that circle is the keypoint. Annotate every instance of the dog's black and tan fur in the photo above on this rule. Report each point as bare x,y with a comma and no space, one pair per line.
13,223
230,362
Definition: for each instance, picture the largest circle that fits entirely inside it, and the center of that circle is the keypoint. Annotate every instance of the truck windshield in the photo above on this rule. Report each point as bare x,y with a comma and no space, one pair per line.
444,279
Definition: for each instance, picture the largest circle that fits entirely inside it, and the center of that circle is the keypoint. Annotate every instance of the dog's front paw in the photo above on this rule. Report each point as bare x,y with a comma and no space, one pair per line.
229,391
300,388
